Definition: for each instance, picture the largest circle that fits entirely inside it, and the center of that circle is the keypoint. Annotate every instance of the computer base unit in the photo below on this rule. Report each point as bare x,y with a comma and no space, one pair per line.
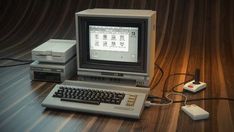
98,98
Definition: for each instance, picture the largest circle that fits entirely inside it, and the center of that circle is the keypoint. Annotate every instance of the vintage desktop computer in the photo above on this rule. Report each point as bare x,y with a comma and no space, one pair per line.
115,63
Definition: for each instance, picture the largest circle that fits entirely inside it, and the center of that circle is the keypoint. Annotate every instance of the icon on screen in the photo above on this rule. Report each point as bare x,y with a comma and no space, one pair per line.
121,38
133,34
104,37
113,37
122,44
104,44
96,36
113,44
96,43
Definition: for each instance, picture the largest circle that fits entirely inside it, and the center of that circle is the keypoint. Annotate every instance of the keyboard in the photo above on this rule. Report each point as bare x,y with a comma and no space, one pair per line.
98,98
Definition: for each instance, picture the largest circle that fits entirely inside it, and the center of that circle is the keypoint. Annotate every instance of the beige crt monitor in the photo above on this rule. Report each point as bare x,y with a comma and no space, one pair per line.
116,44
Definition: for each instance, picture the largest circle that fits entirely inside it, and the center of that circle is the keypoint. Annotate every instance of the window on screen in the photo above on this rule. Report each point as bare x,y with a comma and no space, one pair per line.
113,43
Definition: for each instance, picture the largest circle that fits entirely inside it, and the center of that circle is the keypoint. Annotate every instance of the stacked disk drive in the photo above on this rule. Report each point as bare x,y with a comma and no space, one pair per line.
54,60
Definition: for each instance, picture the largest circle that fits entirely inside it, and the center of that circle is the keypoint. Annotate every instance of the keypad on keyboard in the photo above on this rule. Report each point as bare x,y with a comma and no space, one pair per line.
89,96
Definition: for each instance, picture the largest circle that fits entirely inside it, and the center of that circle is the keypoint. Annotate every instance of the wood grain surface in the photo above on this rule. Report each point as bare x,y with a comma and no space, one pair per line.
190,34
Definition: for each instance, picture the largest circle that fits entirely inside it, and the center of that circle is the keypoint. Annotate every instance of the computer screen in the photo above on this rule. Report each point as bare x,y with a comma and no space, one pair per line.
116,43
113,43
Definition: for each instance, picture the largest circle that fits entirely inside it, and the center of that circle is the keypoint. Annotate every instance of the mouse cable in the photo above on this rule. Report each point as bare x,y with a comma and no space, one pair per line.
169,100
163,99
153,98
206,99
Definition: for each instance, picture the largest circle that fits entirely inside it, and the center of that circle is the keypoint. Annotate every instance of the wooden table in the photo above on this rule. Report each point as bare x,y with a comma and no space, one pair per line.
190,34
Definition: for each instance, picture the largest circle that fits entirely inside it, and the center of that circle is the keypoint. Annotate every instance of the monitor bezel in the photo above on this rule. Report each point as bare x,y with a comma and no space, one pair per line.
83,39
